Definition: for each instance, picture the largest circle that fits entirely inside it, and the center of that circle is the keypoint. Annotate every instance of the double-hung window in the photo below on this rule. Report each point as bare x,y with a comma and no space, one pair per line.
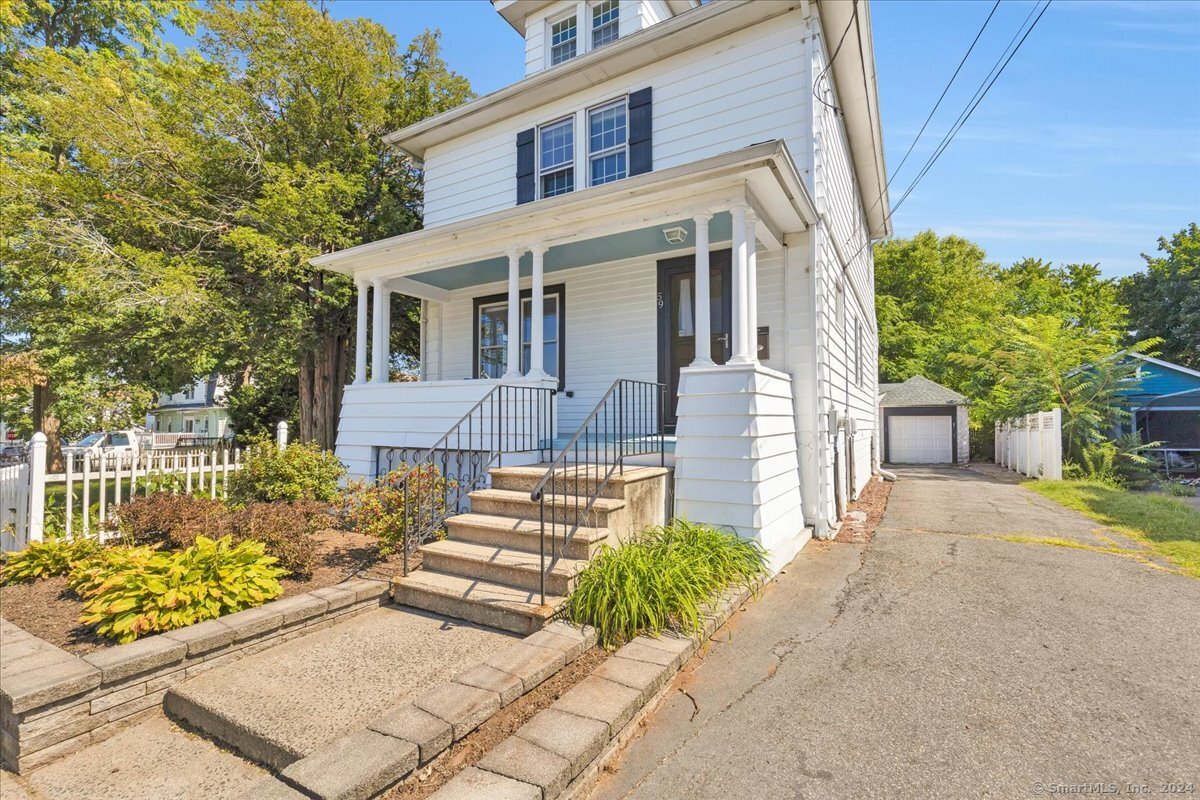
493,330
608,142
556,157
605,22
563,40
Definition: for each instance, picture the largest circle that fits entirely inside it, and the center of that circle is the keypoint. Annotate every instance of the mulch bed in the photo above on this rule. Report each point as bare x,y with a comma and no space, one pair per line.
872,501
49,611
505,723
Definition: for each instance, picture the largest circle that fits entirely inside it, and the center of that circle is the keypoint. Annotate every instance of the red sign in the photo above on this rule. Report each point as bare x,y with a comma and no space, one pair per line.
10,435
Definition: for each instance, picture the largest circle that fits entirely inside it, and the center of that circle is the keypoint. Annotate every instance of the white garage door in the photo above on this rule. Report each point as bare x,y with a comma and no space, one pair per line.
920,440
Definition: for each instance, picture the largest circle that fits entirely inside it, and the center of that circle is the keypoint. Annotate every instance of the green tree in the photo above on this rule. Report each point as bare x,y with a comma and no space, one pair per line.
1164,301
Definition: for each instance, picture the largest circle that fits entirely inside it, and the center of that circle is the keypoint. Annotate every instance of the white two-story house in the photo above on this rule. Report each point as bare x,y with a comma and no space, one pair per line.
198,412
680,196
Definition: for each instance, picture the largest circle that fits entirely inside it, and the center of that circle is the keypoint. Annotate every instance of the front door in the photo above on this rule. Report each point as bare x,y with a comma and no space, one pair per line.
676,318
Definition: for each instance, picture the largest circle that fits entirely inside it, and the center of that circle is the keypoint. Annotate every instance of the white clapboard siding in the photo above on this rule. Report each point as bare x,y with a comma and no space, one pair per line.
744,89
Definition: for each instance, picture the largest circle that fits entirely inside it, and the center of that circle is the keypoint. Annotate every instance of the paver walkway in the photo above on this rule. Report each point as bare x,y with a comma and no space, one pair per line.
939,661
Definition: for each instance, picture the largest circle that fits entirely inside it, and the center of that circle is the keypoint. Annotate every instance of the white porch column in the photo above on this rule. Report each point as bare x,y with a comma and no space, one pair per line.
360,338
514,315
741,286
751,289
381,346
703,315
537,369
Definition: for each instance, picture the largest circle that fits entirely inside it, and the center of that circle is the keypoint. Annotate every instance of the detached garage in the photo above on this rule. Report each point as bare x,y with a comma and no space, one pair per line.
923,423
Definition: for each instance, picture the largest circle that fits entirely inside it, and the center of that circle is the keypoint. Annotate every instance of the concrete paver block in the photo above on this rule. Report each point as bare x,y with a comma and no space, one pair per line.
357,766
464,707
52,681
271,788
603,700
528,662
300,607
430,734
336,596
585,633
509,687
136,657
254,621
366,589
680,647
203,637
577,739
522,760
638,650
473,783
644,676
570,646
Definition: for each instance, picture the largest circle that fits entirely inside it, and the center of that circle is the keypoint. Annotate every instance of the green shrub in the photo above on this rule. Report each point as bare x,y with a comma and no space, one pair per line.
662,579
173,590
300,472
46,559
171,519
377,508
1178,489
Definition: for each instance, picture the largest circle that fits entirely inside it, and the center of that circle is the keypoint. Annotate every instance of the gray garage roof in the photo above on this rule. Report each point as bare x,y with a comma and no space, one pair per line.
918,391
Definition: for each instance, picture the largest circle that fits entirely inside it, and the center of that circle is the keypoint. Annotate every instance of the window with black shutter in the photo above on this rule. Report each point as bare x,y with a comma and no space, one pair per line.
641,126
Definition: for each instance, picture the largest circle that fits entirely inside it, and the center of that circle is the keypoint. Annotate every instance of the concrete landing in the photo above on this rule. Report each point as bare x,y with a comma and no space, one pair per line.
152,760
279,705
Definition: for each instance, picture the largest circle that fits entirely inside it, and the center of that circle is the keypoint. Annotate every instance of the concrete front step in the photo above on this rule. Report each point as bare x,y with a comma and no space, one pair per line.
562,508
501,565
283,703
579,479
518,534
497,605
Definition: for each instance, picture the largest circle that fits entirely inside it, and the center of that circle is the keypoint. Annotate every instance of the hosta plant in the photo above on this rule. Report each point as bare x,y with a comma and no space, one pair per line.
46,559
173,590
88,574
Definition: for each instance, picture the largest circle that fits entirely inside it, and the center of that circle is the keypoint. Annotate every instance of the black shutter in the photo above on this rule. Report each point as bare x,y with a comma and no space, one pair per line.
526,167
641,126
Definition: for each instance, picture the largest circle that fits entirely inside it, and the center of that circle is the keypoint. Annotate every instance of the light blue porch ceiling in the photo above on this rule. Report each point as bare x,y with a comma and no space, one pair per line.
614,247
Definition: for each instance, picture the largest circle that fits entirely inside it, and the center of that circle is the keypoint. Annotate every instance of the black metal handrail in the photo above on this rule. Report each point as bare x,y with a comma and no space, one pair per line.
438,482
628,421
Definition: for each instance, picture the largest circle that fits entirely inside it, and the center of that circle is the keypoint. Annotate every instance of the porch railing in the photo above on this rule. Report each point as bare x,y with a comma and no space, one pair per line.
438,480
628,421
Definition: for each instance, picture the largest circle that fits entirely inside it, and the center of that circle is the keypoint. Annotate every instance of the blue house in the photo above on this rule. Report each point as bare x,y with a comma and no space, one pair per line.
1165,404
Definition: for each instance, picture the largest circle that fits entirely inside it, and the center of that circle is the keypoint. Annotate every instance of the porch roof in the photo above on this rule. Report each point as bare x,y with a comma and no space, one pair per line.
616,220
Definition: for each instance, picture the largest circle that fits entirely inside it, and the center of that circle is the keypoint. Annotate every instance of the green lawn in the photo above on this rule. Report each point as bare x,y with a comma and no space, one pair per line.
1165,524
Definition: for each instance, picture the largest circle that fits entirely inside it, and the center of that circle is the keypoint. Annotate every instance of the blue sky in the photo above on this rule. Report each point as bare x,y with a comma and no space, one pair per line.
1086,149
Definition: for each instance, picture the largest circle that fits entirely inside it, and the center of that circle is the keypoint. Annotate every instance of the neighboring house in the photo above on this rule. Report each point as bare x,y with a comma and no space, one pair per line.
924,423
1165,405
199,411
676,193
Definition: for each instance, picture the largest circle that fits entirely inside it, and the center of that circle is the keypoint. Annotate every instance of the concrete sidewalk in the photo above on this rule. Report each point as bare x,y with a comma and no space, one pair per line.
939,664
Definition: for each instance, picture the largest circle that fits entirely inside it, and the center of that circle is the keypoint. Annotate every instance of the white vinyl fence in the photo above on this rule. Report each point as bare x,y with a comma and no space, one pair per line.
81,499
1032,444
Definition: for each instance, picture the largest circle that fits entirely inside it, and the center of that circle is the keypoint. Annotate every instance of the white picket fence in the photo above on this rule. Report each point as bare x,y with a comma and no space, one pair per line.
96,484
1032,444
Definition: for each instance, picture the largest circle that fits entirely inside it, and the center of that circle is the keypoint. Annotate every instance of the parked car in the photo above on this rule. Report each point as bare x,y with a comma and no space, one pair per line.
13,453
125,443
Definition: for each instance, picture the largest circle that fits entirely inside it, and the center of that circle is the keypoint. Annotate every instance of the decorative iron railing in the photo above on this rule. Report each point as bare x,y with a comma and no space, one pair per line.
439,480
628,421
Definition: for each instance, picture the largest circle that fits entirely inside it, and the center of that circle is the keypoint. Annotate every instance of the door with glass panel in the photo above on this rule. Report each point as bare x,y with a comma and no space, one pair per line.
677,323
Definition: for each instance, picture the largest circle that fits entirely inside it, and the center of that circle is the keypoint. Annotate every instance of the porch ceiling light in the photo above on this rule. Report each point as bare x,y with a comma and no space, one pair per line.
676,234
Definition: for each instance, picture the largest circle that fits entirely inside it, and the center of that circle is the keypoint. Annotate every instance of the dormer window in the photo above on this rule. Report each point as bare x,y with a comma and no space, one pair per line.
605,22
556,157
608,138
563,40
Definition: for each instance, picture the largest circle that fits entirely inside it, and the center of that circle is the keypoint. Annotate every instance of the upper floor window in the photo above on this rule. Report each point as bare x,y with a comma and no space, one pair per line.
563,40
605,22
608,143
556,162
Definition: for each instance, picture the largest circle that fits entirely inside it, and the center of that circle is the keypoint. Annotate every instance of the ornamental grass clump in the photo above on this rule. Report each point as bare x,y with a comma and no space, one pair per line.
46,559
166,591
663,579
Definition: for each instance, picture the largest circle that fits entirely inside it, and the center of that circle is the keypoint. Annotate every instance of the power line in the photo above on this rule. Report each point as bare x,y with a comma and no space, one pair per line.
836,50
985,86
938,104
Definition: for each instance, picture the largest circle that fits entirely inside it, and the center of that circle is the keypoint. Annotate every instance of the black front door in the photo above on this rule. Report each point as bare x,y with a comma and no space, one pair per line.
676,318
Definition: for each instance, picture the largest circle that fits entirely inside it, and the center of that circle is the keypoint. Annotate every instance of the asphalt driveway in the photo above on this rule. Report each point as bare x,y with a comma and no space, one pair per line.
941,660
